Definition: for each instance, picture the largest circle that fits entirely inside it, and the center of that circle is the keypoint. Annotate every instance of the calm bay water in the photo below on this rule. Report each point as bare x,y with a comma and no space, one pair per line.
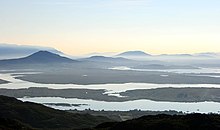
203,107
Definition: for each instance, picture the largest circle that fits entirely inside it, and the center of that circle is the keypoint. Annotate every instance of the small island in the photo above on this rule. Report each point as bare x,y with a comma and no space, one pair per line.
3,81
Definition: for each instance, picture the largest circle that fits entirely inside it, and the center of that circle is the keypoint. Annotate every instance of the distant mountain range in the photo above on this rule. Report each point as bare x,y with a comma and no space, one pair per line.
105,59
17,52
141,54
39,57
126,58
9,51
133,53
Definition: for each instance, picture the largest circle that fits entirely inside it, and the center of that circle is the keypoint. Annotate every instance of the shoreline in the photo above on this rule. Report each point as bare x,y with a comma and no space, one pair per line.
182,95
3,82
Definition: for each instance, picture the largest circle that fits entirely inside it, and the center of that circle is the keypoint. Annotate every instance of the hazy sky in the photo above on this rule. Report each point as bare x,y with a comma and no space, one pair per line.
85,26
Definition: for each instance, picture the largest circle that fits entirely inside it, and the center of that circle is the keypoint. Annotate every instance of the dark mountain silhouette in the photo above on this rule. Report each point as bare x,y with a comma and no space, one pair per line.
12,51
134,54
39,57
41,117
45,56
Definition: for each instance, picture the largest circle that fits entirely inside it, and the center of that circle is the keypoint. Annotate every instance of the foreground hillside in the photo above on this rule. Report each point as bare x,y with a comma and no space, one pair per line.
18,114
166,122
15,114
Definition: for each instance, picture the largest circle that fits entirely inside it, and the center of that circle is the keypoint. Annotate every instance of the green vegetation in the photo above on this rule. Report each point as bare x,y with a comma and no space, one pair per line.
158,94
74,75
124,115
176,94
41,117
166,122
15,114
11,124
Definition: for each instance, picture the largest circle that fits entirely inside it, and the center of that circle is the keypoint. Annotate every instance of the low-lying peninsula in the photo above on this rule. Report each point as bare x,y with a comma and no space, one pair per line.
158,94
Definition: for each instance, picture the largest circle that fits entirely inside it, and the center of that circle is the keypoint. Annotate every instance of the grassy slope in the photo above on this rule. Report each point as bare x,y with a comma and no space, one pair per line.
167,122
39,116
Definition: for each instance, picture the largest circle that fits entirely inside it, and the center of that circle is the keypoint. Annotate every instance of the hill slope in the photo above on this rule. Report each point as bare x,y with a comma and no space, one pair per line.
105,59
39,57
134,54
42,117
167,122
9,51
